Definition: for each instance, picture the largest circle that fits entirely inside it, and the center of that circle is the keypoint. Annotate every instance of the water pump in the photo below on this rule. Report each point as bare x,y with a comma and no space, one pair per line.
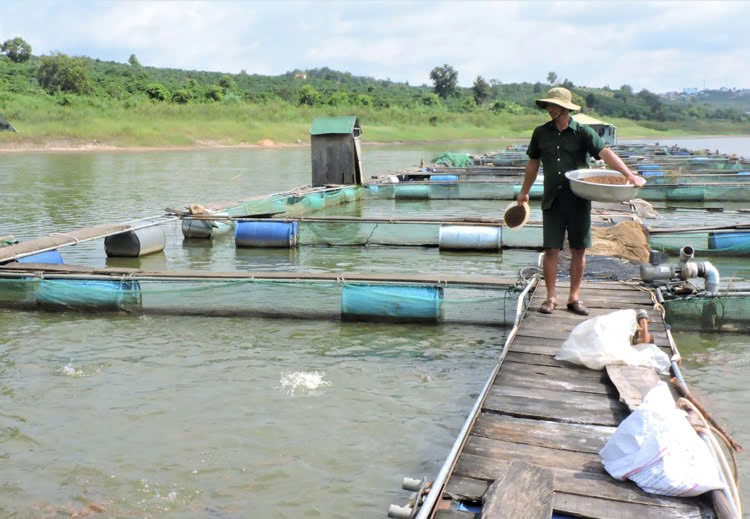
685,270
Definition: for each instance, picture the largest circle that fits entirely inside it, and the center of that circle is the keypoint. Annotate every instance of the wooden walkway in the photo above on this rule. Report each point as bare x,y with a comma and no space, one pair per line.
536,437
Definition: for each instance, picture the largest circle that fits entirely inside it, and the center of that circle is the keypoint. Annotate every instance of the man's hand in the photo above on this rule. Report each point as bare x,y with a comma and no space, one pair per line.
635,179
522,198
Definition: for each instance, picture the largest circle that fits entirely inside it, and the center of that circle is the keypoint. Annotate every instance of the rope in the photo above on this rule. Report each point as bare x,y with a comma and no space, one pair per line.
718,453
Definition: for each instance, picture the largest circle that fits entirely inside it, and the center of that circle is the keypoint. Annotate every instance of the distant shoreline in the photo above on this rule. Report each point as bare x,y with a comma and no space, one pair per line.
71,146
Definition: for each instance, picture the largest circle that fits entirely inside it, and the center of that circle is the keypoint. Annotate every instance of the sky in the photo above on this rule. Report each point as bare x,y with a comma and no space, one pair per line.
660,46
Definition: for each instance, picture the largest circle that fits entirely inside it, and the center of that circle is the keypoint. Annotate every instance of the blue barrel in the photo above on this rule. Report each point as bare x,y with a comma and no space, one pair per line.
743,173
133,244
415,191
644,167
652,173
90,295
470,237
445,179
391,302
51,256
726,240
271,234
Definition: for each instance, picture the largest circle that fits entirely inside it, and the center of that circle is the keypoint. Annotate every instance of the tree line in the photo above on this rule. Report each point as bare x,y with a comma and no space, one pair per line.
132,84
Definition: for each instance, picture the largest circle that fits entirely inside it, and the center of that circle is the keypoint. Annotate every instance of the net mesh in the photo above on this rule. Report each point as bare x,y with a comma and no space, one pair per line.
309,299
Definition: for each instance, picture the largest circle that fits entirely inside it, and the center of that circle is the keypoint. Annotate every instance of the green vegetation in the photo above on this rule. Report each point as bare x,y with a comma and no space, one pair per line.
79,99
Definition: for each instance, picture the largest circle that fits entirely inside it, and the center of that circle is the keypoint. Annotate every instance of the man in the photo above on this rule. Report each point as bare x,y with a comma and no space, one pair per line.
562,145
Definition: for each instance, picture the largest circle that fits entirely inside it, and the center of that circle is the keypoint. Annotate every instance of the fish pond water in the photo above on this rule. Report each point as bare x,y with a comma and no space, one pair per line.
183,416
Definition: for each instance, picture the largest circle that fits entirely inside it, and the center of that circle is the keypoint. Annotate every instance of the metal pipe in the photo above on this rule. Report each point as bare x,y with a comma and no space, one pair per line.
441,479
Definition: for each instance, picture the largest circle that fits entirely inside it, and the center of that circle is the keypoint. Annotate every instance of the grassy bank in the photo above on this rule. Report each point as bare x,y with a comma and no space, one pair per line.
79,121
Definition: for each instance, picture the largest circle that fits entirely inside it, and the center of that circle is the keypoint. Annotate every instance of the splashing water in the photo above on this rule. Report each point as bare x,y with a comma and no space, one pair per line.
69,370
303,380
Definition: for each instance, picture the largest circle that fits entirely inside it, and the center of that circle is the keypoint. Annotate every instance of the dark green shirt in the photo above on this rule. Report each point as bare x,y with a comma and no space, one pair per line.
560,152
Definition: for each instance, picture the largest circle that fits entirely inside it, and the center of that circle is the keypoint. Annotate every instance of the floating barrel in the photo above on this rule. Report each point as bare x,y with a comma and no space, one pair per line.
416,191
652,173
444,179
464,237
133,244
272,234
644,167
50,256
743,173
391,302
89,294
192,228
726,240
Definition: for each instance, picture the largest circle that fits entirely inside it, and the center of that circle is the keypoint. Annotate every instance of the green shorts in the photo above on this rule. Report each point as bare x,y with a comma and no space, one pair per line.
568,212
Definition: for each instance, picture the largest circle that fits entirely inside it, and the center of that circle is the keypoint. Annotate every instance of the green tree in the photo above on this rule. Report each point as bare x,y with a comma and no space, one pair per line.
182,96
480,90
362,100
430,99
59,72
338,98
157,92
227,83
551,78
134,61
445,79
308,95
17,50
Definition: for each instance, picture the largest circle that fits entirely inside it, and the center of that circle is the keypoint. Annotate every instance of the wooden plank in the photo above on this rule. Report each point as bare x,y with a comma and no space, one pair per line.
529,383
56,240
536,359
454,514
524,490
632,382
545,410
542,456
473,469
465,489
549,332
590,402
543,433
593,507
558,372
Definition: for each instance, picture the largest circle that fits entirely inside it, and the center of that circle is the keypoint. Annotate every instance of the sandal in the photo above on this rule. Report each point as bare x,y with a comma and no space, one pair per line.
547,307
578,308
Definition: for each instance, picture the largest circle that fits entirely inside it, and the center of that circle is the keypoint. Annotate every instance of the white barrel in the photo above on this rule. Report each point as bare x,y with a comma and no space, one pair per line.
470,237
133,244
204,228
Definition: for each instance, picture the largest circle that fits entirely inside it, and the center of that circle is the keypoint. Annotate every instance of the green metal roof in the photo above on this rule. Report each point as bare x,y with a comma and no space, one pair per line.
325,125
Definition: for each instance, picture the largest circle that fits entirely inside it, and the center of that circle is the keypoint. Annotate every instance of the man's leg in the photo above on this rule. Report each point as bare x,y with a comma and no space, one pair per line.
549,269
577,268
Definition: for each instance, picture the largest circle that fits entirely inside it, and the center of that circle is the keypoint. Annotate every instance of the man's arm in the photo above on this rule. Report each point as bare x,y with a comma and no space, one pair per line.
529,176
612,160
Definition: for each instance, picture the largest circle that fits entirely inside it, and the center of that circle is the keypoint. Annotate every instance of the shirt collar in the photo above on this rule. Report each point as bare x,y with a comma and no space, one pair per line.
573,125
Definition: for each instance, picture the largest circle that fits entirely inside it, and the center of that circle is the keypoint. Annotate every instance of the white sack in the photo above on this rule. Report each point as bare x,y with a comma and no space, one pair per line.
658,449
606,339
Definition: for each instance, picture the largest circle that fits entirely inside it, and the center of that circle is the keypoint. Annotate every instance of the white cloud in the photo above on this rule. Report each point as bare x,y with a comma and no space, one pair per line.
659,45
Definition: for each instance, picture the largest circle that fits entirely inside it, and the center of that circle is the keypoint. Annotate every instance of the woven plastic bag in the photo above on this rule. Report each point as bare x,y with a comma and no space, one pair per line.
657,448
606,339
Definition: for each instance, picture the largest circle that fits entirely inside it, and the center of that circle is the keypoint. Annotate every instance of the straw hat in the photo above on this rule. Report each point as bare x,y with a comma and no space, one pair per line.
516,215
558,96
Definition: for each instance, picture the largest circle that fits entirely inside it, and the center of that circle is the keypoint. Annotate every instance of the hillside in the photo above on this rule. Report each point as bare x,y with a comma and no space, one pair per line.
82,97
